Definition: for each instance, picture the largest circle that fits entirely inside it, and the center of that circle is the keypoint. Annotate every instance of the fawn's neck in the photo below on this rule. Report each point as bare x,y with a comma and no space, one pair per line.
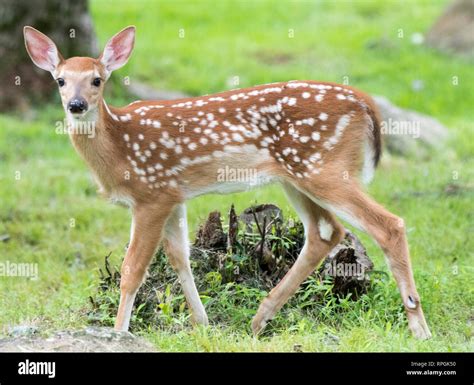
93,140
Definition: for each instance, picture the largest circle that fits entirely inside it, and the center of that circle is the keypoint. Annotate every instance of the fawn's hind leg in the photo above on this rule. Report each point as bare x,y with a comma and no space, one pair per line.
349,202
322,233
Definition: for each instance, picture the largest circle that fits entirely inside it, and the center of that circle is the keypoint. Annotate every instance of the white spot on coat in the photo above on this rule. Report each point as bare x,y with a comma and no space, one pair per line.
323,116
341,125
325,229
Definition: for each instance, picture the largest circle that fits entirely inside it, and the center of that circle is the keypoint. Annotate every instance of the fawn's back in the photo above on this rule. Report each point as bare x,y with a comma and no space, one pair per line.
281,130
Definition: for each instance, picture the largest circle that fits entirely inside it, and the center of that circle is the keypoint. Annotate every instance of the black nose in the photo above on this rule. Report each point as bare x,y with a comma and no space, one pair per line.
77,105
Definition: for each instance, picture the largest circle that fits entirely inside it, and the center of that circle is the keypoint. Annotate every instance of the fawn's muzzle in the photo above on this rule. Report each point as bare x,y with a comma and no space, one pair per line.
77,106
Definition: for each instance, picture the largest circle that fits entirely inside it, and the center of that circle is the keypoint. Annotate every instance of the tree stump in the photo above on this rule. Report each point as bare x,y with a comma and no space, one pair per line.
211,235
263,225
348,263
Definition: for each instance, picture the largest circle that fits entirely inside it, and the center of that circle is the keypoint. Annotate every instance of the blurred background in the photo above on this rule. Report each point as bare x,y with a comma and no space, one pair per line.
415,57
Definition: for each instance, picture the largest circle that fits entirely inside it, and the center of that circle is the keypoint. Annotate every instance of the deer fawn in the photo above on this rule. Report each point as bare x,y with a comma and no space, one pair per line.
316,139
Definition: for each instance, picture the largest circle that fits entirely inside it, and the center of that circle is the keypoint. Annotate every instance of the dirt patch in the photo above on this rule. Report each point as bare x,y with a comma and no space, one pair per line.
91,339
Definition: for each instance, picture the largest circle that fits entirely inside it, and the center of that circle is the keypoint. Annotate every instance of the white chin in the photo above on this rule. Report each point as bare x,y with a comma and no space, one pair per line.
81,116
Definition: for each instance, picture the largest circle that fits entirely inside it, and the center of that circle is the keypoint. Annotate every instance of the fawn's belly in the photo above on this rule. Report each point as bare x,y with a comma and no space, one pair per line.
239,168
232,181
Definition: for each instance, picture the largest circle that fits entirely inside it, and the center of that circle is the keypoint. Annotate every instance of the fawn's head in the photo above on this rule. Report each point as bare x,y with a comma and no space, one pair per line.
80,79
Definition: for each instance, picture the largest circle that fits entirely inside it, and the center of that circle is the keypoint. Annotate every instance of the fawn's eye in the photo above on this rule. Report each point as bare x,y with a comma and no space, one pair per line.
96,82
61,82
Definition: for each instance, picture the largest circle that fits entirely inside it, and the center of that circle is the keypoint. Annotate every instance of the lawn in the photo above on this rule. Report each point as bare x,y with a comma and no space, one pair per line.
50,209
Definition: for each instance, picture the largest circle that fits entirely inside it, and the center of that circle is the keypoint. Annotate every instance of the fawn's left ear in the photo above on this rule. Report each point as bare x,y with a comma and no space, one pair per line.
41,49
118,49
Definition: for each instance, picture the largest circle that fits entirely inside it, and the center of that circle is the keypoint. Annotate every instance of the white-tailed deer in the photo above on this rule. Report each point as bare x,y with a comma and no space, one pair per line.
316,139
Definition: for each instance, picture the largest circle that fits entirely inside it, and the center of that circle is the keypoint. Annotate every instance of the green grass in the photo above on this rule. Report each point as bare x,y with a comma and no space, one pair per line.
250,40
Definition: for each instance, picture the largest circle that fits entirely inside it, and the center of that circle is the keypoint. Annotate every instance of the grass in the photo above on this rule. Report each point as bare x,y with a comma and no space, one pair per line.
54,217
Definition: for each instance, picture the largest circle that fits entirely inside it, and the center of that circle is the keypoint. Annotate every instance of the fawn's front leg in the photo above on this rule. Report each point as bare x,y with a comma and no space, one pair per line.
176,246
147,227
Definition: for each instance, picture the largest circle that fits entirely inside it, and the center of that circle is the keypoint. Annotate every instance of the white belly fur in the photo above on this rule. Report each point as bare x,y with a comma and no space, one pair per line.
236,169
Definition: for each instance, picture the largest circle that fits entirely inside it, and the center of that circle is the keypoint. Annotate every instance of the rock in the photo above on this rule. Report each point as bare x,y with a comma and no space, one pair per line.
105,333
23,331
145,92
331,339
453,32
4,237
298,348
407,132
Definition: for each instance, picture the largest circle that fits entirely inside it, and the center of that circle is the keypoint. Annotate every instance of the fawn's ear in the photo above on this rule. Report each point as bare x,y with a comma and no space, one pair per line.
118,49
41,49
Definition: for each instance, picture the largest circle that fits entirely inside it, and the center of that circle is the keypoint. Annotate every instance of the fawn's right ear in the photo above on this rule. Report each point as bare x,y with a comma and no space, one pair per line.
41,49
